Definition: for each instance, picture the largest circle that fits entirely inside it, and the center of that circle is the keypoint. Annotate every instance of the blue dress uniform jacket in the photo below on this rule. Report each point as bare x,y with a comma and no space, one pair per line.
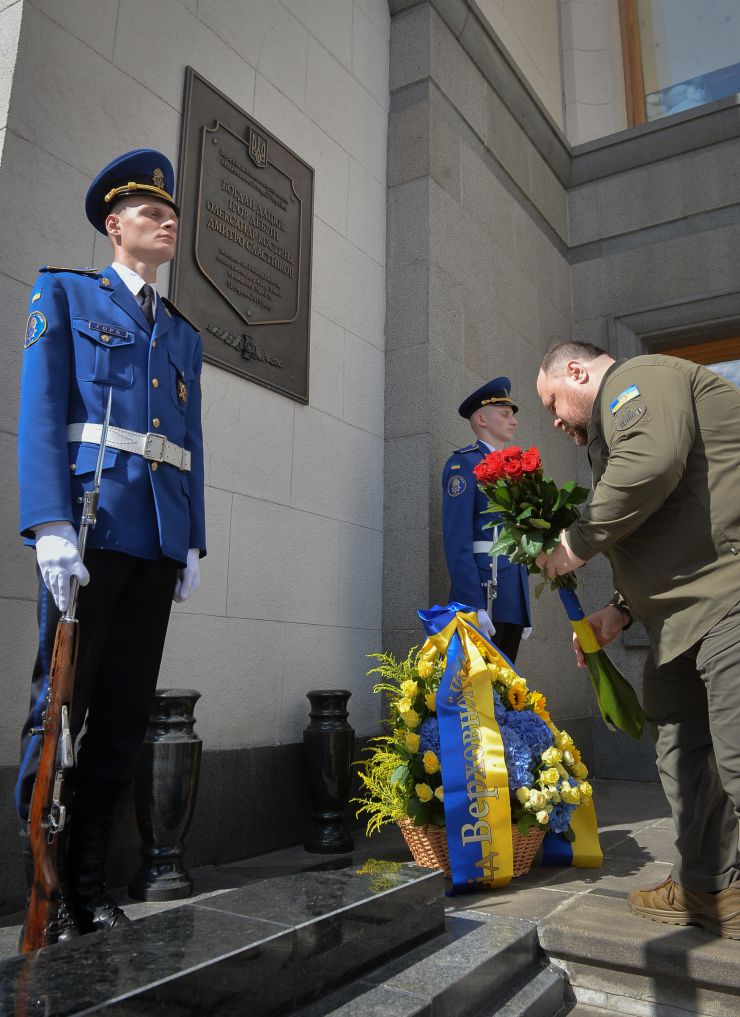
463,521
87,334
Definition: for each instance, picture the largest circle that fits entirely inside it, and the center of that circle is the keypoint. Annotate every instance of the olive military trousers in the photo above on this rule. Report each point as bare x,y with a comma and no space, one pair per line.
692,705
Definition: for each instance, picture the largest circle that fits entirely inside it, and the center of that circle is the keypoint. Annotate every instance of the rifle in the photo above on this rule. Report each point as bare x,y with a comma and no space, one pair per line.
48,813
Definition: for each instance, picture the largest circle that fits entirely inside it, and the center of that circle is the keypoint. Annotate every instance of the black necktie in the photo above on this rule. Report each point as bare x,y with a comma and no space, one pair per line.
146,298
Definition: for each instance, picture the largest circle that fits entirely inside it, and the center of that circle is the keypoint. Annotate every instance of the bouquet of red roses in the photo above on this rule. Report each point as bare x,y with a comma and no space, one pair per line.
532,511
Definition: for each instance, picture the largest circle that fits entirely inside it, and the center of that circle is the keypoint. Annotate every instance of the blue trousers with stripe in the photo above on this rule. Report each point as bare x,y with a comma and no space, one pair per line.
123,614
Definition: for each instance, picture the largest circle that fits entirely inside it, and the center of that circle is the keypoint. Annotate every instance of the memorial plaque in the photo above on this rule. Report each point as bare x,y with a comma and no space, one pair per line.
243,267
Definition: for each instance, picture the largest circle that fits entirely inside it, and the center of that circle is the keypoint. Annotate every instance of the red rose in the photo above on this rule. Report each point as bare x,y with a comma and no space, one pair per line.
512,452
490,469
531,461
513,469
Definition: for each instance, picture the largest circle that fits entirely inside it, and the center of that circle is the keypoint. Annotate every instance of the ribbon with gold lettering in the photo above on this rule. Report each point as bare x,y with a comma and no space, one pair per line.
476,788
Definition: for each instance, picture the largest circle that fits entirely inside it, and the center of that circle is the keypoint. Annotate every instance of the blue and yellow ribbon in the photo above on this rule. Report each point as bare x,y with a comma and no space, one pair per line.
476,802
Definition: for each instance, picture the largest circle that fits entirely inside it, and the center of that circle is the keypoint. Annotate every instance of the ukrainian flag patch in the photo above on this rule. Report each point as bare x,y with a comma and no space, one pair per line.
624,397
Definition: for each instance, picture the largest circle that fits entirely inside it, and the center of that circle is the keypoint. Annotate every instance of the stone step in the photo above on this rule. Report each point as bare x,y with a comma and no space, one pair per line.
265,948
480,966
624,964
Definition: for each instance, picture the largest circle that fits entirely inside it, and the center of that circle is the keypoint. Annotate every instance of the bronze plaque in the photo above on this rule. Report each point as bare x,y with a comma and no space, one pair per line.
243,267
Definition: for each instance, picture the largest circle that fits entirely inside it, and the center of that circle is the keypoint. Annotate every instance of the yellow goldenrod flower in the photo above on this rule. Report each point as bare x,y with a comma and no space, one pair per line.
550,776
585,789
517,697
543,818
409,689
412,741
431,763
552,756
425,668
410,718
431,701
439,793
522,794
424,793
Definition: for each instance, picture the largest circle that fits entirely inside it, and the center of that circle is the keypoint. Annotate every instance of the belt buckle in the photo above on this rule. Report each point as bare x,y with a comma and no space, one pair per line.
150,439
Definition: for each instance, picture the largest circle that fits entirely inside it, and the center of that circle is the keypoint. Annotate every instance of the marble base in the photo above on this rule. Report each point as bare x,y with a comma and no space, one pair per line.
263,949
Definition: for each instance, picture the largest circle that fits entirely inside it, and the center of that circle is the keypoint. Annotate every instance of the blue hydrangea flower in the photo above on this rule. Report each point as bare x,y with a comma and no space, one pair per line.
429,737
560,817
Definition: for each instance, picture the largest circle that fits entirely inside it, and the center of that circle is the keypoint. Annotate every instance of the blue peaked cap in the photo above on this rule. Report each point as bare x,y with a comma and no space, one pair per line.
496,392
143,172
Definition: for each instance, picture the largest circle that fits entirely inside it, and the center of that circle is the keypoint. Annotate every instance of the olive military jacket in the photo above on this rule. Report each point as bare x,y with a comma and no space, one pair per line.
664,448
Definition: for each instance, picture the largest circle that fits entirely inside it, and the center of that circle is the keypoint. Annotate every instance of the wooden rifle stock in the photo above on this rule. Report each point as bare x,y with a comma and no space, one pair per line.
47,814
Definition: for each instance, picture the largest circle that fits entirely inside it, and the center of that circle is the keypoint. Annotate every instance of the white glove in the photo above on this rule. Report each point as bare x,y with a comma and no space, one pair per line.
188,579
59,560
485,624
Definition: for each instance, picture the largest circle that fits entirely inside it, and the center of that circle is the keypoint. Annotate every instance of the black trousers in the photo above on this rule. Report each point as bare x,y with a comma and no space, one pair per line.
507,638
123,614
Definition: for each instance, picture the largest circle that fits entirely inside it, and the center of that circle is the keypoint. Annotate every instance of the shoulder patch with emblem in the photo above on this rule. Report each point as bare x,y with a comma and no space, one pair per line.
35,328
629,415
624,397
456,485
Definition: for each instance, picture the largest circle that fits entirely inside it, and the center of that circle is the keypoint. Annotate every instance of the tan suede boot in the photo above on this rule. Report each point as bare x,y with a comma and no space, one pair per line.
718,913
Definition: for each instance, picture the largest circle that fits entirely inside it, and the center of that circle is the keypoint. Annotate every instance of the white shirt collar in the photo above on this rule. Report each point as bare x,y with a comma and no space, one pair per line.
133,281
489,447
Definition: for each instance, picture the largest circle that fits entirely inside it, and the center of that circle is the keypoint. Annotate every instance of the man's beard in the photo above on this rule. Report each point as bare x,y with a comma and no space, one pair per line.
577,427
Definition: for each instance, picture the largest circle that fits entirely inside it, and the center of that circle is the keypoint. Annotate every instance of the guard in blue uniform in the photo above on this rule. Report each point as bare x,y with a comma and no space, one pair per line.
89,333
473,577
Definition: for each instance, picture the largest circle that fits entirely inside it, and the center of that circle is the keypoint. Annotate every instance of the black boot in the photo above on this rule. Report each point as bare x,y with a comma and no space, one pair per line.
62,927
89,841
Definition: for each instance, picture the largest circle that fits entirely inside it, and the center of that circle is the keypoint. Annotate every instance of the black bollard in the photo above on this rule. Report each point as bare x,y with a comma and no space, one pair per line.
328,744
165,786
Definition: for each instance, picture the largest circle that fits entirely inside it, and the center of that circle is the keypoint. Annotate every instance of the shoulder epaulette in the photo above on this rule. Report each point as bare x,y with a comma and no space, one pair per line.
466,448
77,271
173,307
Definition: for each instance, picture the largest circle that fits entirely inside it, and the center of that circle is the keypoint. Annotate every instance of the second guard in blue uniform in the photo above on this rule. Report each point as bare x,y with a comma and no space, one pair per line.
490,411
90,333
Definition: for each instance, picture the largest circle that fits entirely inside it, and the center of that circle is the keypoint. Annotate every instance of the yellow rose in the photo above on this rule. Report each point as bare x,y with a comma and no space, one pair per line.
412,741
409,689
410,718
431,701
537,799
439,793
568,758
543,818
506,675
571,795
564,740
550,776
552,795
586,789
403,705
425,668
424,793
552,755
580,770
431,763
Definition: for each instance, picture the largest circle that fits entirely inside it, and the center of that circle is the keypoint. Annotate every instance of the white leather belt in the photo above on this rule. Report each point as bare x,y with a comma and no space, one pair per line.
154,447
482,546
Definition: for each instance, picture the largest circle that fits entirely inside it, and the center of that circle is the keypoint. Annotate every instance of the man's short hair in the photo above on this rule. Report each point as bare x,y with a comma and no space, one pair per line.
557,356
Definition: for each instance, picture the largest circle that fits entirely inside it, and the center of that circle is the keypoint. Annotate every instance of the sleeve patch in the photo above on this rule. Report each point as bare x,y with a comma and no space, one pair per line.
629,416
35,328
456,485
624,397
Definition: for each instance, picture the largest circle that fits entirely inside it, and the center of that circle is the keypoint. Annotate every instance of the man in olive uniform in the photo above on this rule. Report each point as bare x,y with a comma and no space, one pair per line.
663,438
91,333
